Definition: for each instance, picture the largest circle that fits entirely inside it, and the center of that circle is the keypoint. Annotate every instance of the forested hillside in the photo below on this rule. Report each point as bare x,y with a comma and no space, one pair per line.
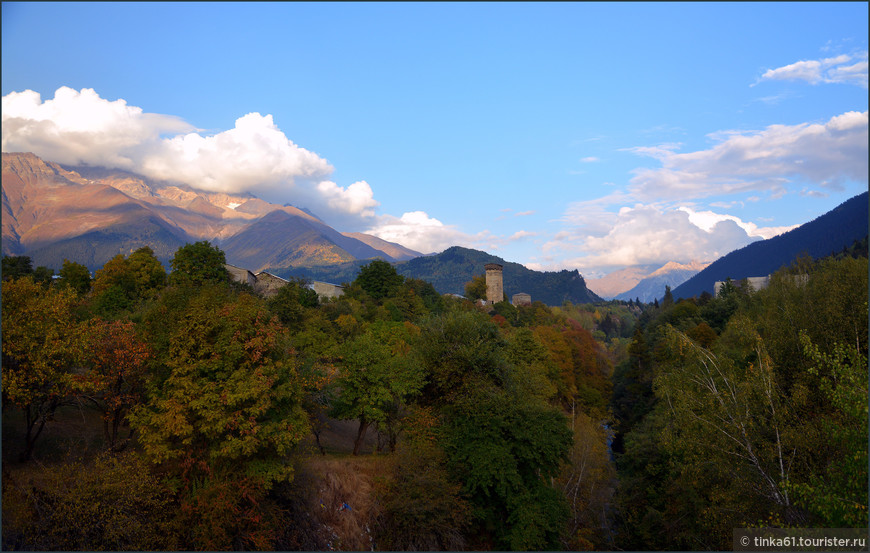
746,410
146,411
449,270
182,411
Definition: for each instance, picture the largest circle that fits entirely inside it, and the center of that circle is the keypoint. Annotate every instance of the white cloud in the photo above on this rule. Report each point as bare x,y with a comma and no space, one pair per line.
521,234
707,220
824,154
602,239
524,213
80,127
418,231
254,155
828,70
590,159
357,198
77,127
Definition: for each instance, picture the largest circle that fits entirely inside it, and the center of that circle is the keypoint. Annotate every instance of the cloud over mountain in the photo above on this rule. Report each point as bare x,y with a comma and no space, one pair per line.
81,128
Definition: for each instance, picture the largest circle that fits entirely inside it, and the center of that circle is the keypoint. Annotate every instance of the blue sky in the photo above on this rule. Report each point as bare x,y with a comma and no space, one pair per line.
565,135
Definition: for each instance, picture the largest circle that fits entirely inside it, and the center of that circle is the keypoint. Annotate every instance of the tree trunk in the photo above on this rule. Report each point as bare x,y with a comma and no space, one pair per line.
363,425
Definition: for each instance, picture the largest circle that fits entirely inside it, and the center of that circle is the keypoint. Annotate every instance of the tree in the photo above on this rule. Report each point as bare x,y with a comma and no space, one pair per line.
197,264
114,287
423,508
42,343
458,350
115,380
376,378
148,273
505,449
75,276
587,483
226,418
732,420
16,266
379,279
668,299
43,275
107,503
475,289
291,301
837,493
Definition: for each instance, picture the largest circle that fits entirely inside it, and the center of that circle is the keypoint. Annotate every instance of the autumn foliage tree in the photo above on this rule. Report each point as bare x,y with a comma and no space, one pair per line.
226,418
117,359
42,344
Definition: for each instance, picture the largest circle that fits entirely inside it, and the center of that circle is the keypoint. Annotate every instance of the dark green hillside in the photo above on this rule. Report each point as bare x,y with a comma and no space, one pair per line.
827,234
449,270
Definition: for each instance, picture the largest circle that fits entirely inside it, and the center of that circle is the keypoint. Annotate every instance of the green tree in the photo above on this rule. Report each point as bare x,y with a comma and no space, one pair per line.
475,289
42,344
148,273
668,299
291,302
379,279
16,266
505,450
732,420
75,276
114,287
837,493
198,263
107,503
43,275
458,350
376,377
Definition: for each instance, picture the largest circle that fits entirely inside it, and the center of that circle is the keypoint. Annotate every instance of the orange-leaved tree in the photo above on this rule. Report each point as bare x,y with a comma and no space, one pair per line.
114,383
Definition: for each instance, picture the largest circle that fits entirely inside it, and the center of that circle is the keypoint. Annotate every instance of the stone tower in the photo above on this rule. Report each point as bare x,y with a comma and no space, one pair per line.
494,283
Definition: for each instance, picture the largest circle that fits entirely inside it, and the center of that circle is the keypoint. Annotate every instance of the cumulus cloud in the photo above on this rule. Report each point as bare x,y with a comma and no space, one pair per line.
707,220
254,155
845,68
81,128
356,198
418,231
823,154
602,239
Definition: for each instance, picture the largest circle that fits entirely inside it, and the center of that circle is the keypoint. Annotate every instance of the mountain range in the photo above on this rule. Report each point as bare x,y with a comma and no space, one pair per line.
90,214
644,282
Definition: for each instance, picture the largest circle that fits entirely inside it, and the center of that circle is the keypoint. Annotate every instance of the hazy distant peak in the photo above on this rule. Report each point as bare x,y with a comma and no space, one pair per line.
693,265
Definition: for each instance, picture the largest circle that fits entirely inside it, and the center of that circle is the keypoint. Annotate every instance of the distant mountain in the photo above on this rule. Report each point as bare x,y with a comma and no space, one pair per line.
617,282
652,287
396,251
449,270
90,214
827,234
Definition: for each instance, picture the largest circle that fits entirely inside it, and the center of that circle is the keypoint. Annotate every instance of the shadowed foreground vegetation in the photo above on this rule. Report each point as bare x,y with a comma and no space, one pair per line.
146,411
